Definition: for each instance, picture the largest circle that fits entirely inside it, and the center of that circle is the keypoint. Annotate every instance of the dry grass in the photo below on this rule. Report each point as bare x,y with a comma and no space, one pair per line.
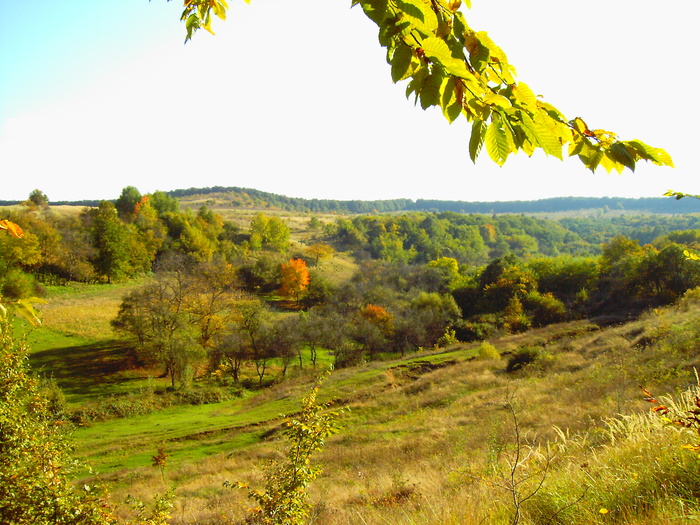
86,311
430,444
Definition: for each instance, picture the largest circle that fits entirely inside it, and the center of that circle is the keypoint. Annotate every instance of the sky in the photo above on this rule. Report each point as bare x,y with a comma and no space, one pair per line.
296,98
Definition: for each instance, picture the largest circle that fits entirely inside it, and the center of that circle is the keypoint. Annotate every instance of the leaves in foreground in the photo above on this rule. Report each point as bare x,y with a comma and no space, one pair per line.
447,64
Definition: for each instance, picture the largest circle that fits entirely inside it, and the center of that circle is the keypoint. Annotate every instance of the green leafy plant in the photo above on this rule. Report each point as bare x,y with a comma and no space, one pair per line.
522,357
284,498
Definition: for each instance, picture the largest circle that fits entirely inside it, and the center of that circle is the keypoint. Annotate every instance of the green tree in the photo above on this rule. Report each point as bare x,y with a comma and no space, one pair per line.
268,232
127,203
464,73
159,318
164,203
38,199
112,243
425,320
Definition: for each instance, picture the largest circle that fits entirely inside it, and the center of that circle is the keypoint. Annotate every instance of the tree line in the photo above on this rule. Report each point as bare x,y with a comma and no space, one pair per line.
238,197
221,298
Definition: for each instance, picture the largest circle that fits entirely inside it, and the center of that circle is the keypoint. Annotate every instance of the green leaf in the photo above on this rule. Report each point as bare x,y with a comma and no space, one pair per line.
450,102
401,62
620,154
590,154
528,128
416,83
497,143
437,50
389,31
656,155
495,99
547,137
525,95
476,140
376,10
430,92
192,24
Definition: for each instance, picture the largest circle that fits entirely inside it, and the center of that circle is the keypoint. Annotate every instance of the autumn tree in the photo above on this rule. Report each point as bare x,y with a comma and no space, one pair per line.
295,278
214,294
448,64
372,328
319,251
18,251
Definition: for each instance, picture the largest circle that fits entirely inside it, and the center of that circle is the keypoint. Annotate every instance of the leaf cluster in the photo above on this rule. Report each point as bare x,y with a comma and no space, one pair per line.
463,72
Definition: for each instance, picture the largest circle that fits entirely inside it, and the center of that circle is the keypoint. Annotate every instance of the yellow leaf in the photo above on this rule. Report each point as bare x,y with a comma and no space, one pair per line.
12,228
525,95
497,100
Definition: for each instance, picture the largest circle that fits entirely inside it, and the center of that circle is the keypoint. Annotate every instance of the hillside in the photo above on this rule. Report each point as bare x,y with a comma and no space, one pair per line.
428,435
247,198
490,364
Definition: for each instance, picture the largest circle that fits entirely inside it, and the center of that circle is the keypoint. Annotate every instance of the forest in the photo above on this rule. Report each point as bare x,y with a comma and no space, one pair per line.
420,276
180,306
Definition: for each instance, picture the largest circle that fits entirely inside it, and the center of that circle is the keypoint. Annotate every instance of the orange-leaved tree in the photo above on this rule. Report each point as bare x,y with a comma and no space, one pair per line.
295,278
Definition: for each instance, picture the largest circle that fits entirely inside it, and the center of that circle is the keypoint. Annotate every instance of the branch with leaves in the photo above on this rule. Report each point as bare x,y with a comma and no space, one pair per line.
463,72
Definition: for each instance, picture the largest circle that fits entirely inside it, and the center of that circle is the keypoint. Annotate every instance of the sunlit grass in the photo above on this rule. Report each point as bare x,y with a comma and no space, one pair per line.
82,310
426,435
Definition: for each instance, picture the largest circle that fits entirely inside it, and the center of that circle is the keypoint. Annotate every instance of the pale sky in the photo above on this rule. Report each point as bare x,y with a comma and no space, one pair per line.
296,98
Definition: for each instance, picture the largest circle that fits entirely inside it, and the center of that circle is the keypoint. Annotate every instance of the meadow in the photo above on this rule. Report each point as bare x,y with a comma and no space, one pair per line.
443,436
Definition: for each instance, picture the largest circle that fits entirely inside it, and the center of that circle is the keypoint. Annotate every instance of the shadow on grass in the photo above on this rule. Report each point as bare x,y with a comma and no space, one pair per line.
87,369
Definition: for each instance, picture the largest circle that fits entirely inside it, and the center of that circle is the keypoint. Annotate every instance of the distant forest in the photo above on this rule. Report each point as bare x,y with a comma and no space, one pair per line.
248,197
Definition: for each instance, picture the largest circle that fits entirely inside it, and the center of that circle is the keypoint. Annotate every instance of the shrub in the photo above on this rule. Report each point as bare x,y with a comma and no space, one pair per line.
545,309
488,351
284,499
523,357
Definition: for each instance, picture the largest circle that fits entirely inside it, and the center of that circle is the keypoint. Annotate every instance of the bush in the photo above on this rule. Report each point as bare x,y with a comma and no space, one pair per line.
478,329
488,351
545,309
523,357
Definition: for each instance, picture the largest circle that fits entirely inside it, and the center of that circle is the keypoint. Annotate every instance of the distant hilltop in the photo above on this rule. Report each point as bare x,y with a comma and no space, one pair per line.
248,197
252,198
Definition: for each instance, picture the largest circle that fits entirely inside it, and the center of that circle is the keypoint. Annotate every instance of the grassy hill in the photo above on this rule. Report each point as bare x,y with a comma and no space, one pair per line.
443,436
